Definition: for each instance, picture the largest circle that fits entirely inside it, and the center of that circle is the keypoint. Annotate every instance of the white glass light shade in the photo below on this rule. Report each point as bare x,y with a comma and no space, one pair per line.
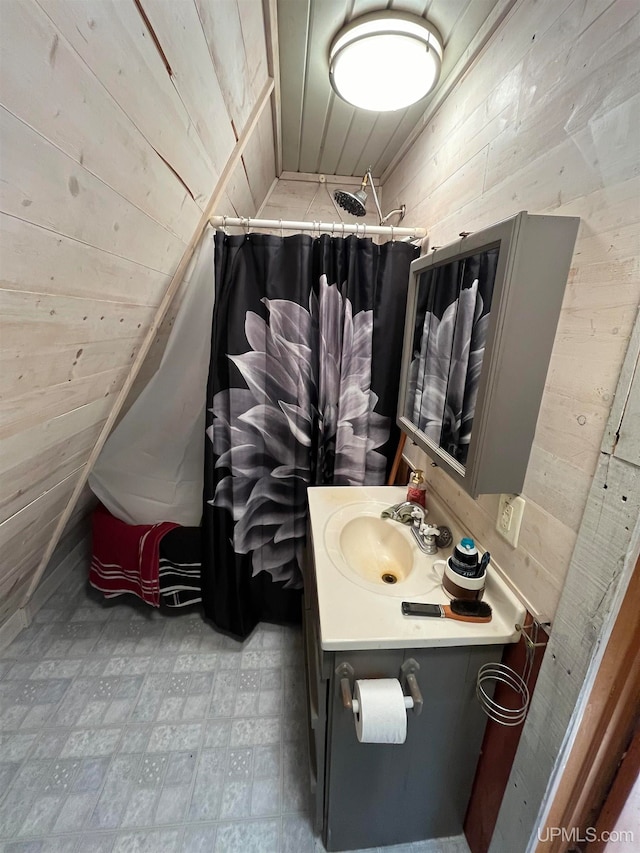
385,61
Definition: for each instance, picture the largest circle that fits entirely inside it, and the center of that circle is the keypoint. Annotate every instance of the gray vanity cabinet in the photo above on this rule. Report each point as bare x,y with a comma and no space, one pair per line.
369,795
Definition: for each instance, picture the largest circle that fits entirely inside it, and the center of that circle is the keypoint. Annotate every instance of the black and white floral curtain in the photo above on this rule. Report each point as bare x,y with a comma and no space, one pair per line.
302,390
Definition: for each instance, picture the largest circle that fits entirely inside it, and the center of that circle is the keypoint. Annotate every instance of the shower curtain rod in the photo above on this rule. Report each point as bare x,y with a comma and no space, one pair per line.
339,228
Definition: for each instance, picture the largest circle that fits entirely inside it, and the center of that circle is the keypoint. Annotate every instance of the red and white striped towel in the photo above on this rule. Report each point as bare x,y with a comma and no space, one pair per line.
125,556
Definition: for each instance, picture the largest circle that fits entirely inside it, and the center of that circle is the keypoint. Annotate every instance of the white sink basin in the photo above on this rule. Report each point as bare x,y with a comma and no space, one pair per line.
377,553
353,548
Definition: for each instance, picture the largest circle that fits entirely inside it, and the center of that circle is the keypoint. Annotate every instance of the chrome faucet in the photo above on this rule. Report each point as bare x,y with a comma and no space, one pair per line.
409,512
405,512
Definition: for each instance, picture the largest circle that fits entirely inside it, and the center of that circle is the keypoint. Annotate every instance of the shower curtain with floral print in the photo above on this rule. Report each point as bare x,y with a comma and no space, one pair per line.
303,384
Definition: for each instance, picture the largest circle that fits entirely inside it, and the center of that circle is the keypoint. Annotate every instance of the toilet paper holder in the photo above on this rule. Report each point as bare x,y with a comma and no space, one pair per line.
408,682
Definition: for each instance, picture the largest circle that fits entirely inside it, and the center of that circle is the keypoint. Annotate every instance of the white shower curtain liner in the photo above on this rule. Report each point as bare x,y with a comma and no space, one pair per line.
151,467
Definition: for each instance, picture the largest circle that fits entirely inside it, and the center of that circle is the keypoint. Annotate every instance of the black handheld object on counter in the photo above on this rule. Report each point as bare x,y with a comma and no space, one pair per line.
459,609
483,564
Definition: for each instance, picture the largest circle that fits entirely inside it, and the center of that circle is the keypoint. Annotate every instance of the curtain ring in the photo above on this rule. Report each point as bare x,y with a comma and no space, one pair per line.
392,233
245,225
281,229
343,230
224,225
364,229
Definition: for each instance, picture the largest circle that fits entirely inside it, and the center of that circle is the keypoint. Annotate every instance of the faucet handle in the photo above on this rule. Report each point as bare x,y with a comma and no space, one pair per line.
429,530
418,514
445,537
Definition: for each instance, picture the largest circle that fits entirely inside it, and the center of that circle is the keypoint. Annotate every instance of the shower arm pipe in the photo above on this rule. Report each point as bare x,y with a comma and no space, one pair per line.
338,228
401,210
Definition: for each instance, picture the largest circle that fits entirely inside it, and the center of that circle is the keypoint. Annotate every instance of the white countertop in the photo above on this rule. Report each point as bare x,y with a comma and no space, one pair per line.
353,615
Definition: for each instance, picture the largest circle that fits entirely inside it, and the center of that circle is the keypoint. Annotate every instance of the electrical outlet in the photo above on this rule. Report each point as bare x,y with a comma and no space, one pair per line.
510,512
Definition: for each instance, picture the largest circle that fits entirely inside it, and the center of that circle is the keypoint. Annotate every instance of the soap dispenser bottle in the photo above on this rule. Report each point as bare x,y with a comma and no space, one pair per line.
417,489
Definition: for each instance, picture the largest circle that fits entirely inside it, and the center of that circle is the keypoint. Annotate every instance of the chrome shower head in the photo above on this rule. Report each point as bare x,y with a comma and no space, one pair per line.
353,203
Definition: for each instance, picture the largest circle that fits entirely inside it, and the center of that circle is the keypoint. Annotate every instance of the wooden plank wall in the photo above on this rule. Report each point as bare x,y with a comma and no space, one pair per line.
546,121
117,118
602,565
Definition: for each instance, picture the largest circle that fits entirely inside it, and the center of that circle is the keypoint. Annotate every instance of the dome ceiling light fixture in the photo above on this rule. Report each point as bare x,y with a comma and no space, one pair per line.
385,60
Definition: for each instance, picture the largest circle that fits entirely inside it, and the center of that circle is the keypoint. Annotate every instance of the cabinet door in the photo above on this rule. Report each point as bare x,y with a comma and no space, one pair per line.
382,794
479,331
452,724
316,715
365,782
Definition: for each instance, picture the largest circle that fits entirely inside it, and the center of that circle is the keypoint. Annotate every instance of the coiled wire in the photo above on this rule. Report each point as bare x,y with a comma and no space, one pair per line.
488,676
491,674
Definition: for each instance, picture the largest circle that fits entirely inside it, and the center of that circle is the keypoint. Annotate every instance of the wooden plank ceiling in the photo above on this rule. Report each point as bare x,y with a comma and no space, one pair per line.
322,133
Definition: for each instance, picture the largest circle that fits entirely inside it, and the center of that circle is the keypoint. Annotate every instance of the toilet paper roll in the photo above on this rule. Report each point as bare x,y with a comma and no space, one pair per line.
381,716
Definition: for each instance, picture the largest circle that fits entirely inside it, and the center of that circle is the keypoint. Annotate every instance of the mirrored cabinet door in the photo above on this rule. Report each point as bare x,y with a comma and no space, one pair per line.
453,309
481,319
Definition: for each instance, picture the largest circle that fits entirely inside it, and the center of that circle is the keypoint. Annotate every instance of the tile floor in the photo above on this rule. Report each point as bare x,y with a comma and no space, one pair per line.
128,730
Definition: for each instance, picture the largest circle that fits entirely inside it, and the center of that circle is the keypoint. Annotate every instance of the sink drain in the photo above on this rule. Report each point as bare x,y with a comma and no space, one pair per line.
388,577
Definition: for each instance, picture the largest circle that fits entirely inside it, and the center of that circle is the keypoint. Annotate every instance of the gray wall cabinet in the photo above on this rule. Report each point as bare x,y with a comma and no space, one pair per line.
369,795
480,325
